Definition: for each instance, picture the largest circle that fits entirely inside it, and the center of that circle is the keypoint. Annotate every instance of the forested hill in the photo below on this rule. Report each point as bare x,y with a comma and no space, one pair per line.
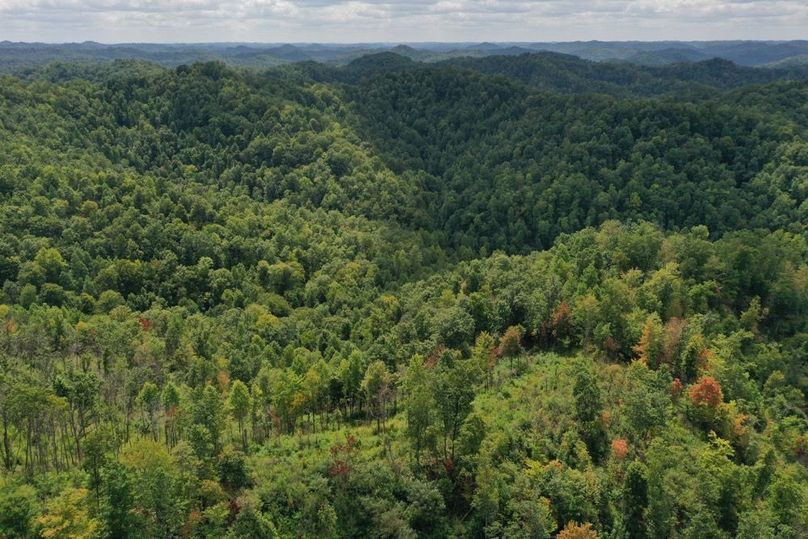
535,165
480,162
571,74
524,296
566,73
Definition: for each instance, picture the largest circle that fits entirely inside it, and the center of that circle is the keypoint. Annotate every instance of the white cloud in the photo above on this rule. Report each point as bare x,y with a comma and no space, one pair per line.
390,20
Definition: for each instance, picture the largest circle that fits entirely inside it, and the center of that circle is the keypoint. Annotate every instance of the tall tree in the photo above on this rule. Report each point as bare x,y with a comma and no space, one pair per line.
240,405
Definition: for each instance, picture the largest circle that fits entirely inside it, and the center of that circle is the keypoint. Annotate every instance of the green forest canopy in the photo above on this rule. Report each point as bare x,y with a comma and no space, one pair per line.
523,296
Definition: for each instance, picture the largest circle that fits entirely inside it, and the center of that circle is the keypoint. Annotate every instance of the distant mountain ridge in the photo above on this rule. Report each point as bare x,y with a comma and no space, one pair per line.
566,73
15,56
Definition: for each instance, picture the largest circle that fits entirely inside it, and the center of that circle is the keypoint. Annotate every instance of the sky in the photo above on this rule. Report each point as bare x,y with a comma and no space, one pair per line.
355,21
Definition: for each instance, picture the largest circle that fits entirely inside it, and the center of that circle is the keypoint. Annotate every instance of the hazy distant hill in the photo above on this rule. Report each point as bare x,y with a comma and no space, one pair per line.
667,56
792,61
751,53
17,56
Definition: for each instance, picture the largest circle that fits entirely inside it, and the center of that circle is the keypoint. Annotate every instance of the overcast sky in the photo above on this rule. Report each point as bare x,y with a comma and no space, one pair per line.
115,21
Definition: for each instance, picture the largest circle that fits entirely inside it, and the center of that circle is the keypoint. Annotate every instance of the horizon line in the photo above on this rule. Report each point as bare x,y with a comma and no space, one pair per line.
423,42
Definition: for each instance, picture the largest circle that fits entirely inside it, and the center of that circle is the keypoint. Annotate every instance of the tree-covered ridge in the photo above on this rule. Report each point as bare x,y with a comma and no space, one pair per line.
550,71
431,148
399,300
270,145
566,73
515,169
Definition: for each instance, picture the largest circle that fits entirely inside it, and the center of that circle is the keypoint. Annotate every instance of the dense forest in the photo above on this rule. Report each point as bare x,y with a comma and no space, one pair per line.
523,296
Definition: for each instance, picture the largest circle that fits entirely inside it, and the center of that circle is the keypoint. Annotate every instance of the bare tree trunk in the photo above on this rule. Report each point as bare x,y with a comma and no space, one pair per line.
7,449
